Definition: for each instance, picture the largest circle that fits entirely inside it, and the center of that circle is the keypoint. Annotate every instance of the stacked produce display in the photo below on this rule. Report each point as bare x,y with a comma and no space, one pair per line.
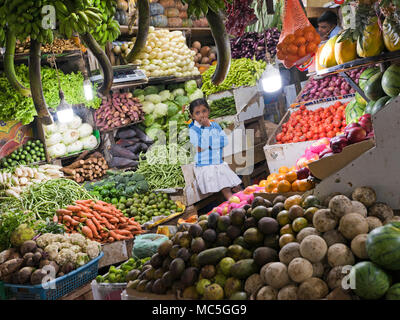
31,152
205,56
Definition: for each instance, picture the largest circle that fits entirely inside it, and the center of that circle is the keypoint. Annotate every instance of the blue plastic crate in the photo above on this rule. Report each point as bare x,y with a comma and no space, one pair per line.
64,284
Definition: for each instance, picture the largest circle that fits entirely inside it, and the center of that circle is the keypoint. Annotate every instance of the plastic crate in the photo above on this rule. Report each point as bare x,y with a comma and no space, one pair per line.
64,284
107,291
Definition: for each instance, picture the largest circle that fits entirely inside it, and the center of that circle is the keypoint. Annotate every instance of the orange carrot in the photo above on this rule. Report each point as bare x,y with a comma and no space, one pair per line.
62,212
84,214
107,224
83,208
96,214
87,232
106,215
123,232
73,208
111,239
123,226
71,220
133,228
92,227
103,203
139,232
114,220
101,208
115,235
82,219
84,202
97,223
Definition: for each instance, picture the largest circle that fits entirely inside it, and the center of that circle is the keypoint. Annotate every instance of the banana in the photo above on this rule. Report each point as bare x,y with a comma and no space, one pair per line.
74,17
61,8
28,28
68,30
82,27
83,17
95,10
93,16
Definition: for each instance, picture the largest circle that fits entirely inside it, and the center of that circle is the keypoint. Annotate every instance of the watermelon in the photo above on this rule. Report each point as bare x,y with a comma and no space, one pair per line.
371,282
383,246
353,111
391,80
373,88
390,100
379,104
360,100
370,105
394,292
365,75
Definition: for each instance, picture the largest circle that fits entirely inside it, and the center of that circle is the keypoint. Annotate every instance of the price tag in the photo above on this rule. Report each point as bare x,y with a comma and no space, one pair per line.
339,1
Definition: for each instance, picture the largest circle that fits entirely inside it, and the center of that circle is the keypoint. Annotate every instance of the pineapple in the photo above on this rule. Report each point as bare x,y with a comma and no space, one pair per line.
390,9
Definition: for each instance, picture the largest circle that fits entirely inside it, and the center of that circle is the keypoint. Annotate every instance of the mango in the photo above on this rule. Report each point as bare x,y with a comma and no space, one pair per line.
345,50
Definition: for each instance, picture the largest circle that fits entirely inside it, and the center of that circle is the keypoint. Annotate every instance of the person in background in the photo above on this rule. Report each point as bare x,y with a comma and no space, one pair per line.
211,172
328,25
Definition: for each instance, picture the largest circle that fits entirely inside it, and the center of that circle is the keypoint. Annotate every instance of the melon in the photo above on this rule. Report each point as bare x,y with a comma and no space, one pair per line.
365,75
394,292
369,107
373,88
371,282
383,245
378,105
391,80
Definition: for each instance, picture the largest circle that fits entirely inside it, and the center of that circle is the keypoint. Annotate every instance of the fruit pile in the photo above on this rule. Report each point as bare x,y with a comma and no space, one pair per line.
307,125
124,272
31,152
295,46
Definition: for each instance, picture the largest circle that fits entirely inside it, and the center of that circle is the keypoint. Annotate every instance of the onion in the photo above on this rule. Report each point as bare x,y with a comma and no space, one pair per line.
356,134
338,143
365,122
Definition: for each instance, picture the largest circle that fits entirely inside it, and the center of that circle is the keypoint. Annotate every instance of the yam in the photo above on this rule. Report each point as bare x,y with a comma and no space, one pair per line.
365,195
267,293
373,222
335,277
358,207
307,232
312,289
333,236
324,220
358,246
338,294
328,198
37,276
253,284
313,248
381,210
318,270
288,292
5,254
28,246
340,255
340,205
276,275
352,224
300,269
262,272
289,252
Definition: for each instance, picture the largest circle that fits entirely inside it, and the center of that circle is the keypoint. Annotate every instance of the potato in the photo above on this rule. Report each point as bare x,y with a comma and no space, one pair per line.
5,255
313,248
253,284
10,266
352,224
288,292
262,272
340,205
373,222
312,289
300,269
335,277
28,246
267,293
276,275
318,270
333,236
359,247
324,220
37,276
381,210
339,294
340,255
358,207
365,195
289,252
307,232
24,274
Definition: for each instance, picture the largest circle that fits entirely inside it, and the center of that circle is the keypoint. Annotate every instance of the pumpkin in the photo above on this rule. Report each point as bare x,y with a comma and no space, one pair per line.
159,21
156,9
382,246
171,12
175,22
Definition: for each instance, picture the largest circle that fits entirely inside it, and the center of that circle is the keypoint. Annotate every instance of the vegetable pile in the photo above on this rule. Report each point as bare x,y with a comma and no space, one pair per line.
64,139
252,44
50,254
31,152
239,15
306,125
124,273
128,145
58,46
99,221
118,110
223,107
204,57
243,72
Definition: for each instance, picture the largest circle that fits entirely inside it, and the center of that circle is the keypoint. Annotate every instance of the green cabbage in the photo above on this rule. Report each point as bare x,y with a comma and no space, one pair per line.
150,90
198,94
172,109
148,120
160,110
182,100
148,107
154,98
153,131
165,95
138,92
178,92
190,86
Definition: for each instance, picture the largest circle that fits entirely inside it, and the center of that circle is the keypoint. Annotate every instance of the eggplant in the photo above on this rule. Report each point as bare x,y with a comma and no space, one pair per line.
135,148
118,151
126,134
142,136
126,142
118,162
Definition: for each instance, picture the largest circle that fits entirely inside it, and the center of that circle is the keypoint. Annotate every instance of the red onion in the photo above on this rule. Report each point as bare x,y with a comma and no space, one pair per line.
303,173
355,134
338,143
365,122
324,152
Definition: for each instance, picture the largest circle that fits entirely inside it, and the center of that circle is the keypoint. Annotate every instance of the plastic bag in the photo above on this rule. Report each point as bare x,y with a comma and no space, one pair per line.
146,245
299,40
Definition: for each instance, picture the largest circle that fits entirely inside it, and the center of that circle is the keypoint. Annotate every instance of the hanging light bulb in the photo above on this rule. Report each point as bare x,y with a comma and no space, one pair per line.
88,90
65,113
271,80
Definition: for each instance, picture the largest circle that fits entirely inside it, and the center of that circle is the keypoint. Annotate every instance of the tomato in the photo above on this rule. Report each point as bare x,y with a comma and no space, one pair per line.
304,129
329,127
296,139
344,123
309,135
279,136
302,138
337,104
322,135
330,134
315,137
336,123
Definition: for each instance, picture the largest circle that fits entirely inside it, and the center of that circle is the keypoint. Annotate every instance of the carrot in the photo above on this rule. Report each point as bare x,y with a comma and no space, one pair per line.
107,224
96,214
97,223
139,232
87,232
103,203
111,239
82,219
115,235
106,215
92,227
122,232
133,228
83,208
73,208
123,226
123,219
62,212
113,220
84,202
84,214
71,220
100,208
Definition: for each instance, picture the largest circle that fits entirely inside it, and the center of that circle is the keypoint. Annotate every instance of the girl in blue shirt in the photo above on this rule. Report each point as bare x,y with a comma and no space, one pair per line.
211,172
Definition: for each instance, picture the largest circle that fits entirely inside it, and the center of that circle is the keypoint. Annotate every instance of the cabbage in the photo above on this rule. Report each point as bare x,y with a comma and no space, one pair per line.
172,109
148,120
85,130
141,98
70,136
53,139
178,92
89,142
190,86
182,100
160,110
198,94
57,150
150,90
165,95
154,131
148,107
75,123
154,98
138,92
75,147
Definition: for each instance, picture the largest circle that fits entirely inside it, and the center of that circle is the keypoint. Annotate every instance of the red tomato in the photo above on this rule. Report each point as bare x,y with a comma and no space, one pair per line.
304,129
329,127
322,135
296,139
279,136
309,135
330,134
344,123
336,123
315,137
302,138
337,104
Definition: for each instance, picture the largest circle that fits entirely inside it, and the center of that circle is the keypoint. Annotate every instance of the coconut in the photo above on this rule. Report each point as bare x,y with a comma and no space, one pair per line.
358,246
324,220
352,224
289,252
365,195
340,255
340,205
307,232
313,248
300,269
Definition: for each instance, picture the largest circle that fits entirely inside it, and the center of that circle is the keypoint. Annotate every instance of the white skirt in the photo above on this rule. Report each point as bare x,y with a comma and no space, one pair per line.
214,178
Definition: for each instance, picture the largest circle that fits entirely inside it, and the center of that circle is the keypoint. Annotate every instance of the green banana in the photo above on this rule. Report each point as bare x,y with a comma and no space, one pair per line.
61,7
83,16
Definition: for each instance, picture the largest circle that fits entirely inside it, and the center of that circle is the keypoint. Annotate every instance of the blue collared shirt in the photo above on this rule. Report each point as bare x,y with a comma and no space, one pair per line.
211,140
335,31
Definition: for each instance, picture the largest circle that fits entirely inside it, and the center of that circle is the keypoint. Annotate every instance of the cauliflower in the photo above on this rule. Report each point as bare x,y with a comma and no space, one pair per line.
65,245
81,259
75,248
58,244
52,251
59,238
93,249
64,256
44,240
77,239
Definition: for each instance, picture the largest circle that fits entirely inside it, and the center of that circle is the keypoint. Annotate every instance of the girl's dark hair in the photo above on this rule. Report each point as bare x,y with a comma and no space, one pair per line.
196,103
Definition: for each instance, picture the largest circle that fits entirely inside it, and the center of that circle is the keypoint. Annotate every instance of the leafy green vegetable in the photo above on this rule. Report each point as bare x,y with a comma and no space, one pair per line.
172,109
9,221
182,100
148,120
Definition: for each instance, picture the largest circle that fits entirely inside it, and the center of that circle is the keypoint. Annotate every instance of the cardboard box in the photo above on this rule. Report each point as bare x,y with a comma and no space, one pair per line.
325,167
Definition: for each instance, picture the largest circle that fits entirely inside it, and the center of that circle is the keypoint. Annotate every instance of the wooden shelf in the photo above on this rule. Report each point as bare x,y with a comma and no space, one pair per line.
125,31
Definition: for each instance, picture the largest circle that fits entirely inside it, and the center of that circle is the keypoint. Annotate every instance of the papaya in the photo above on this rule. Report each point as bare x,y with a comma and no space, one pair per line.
391,37
327,57
370,43
391,80
345,50
318,58
373,88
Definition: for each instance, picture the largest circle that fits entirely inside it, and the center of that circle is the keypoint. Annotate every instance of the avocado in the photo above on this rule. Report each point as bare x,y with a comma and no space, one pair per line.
223,223
173,253
195,230
193,261
212,220
253,236
197,245
132,275
202,285
246,254
211,256
189,276
258,201
149,286
240,295
167,279
213,292
279,199
250,223
149,273
237,216
268,225
164,248
259,212
176,237
184,254
141,287
177,267
278,207
156,260
235,252
185,240
233,232
264,255
208,271
240,241
210,235
190,293
133,284
223,240
166,262
203,224
159,287
232,285
272,241
244,269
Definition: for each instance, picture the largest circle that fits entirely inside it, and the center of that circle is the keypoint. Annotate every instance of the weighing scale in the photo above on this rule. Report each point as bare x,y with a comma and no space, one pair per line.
122,74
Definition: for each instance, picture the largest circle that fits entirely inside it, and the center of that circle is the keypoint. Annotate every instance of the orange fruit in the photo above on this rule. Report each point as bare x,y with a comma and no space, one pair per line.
292,58
284,186
300,41
302,51
295,186
311,47
280,55
284,49
293,168
291,176
317,38
283,169
281,177
279,46
274,190
271,185
289,39
292,49
272,176
263,183
298,33
305,185
309,36
308,29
